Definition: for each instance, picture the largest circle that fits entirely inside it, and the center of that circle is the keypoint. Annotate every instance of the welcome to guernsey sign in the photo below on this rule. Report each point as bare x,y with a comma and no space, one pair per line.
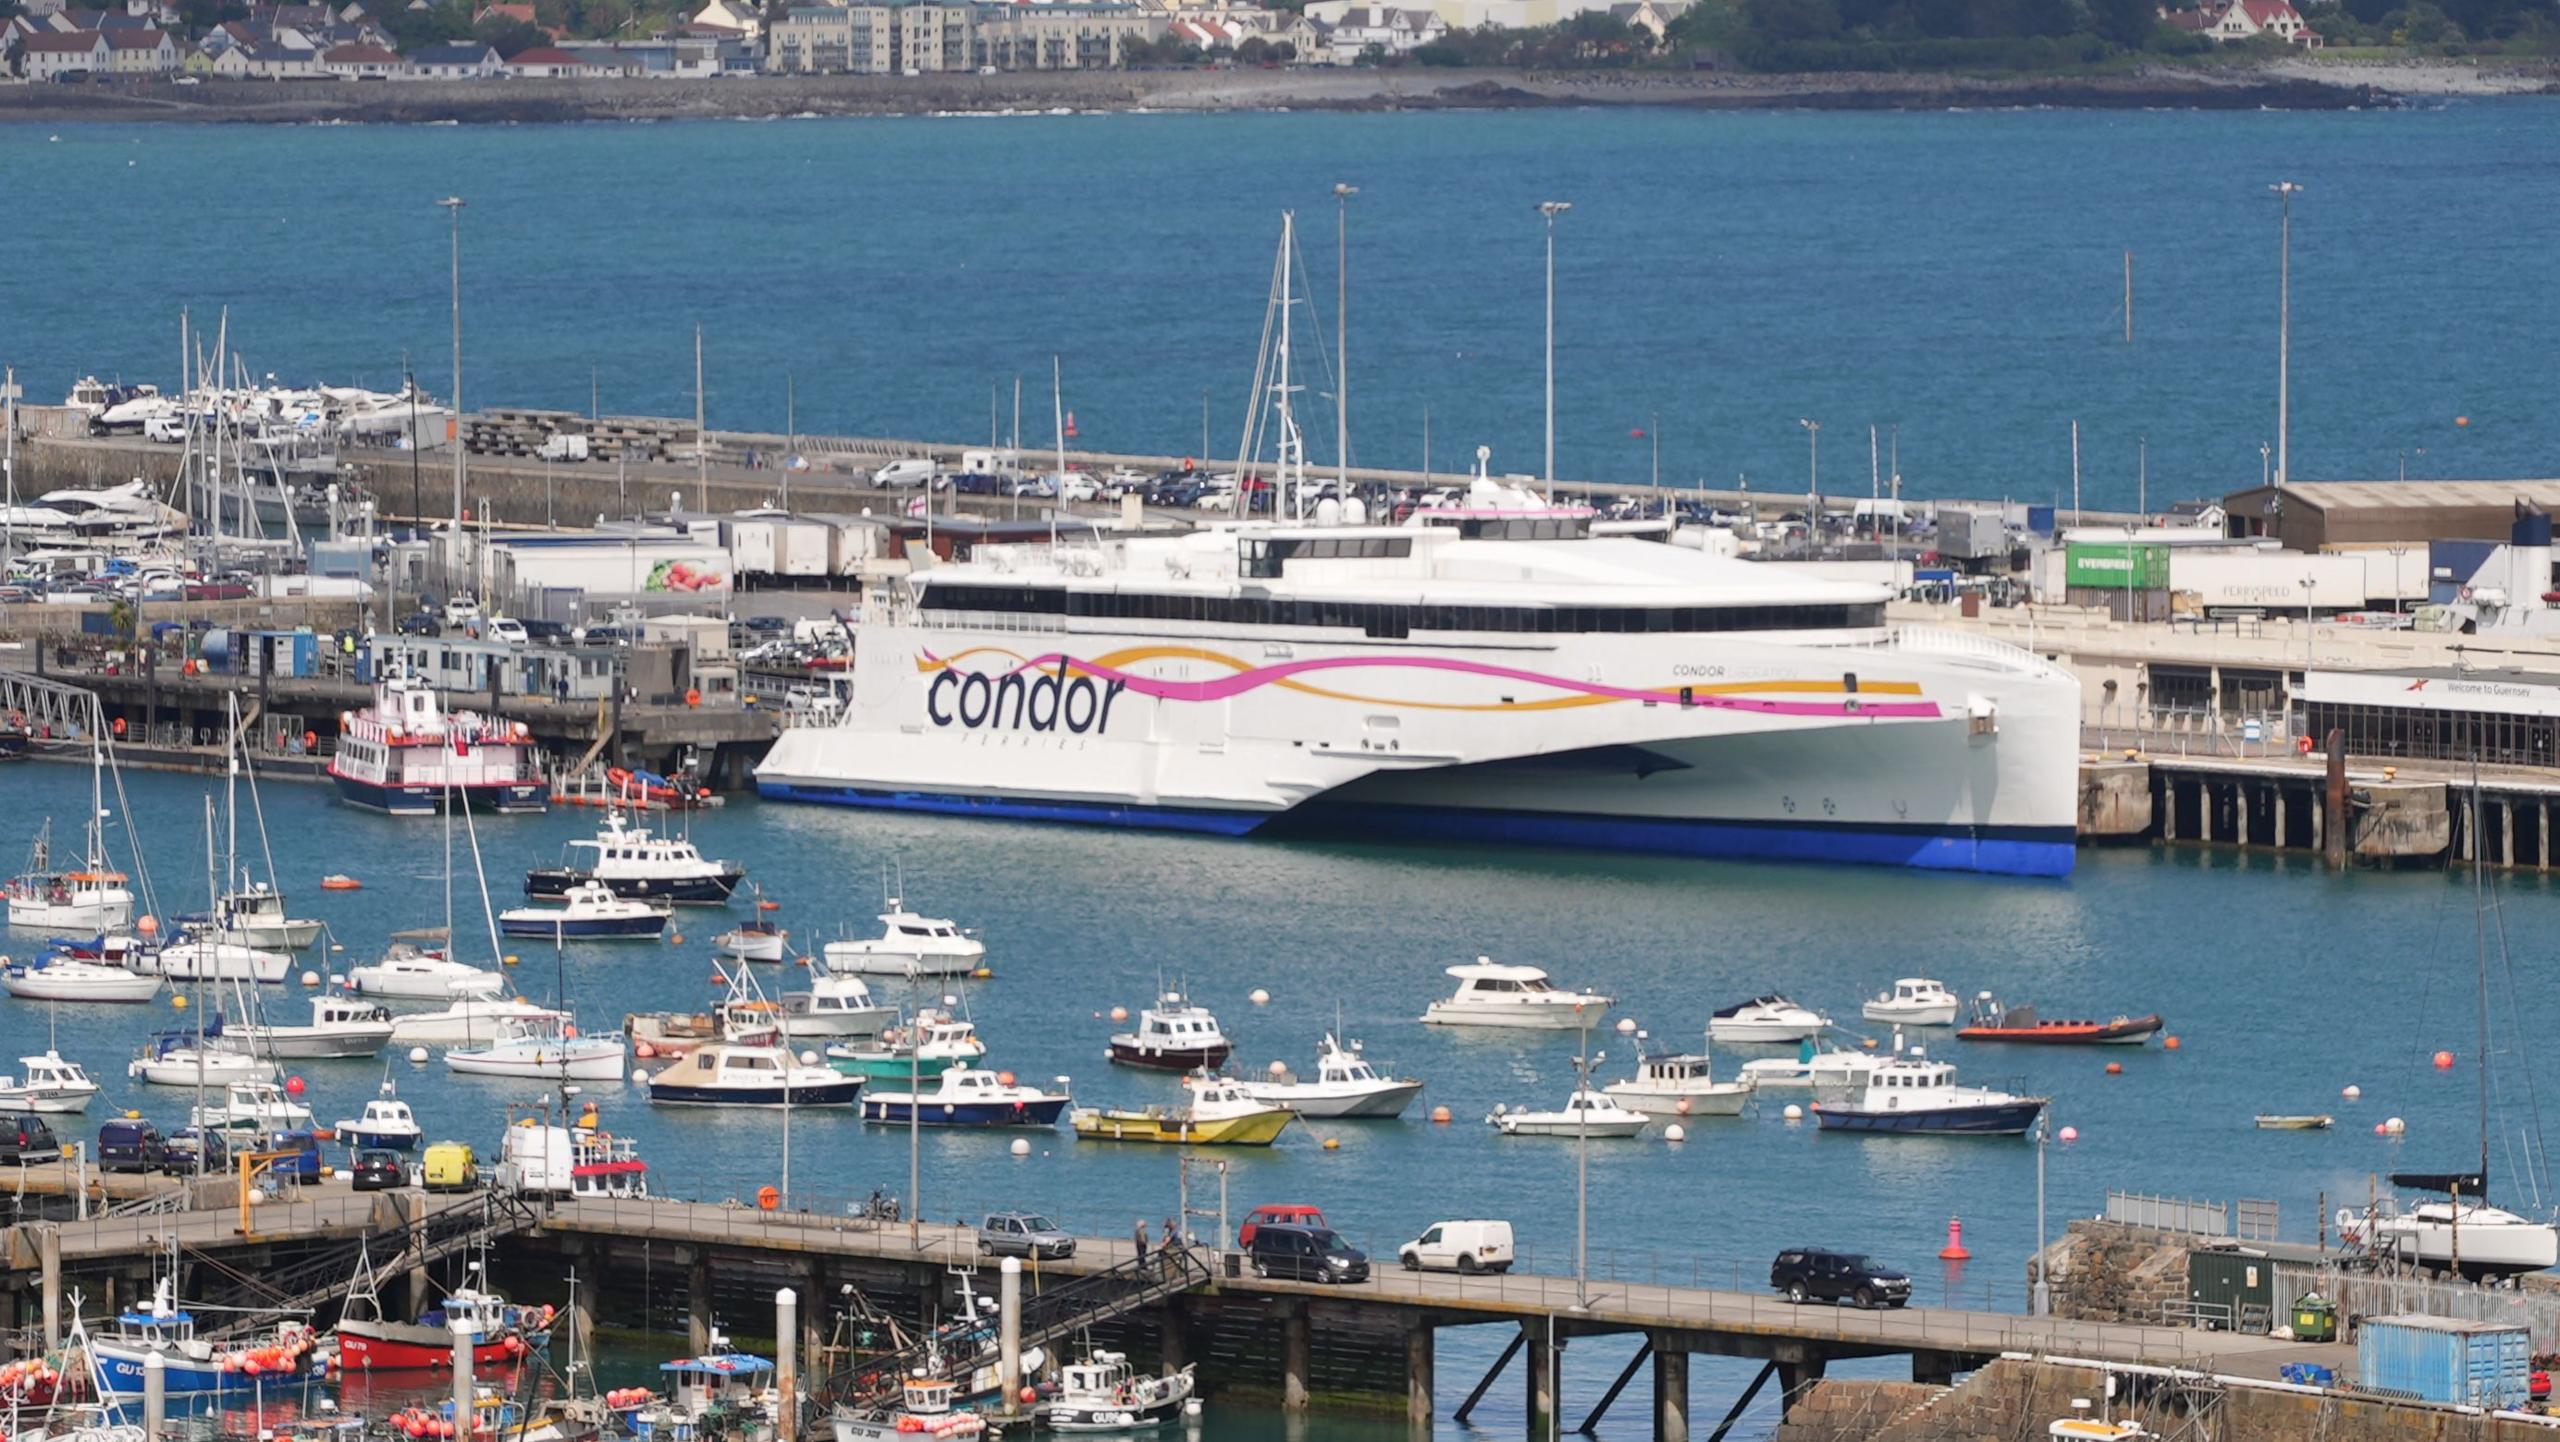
2515,693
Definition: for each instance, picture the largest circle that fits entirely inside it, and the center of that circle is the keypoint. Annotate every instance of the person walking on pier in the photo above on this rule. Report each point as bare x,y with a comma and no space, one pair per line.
1172,1231
1141,1235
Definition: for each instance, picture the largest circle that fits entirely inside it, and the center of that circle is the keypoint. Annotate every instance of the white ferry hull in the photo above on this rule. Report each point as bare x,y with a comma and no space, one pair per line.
1930,753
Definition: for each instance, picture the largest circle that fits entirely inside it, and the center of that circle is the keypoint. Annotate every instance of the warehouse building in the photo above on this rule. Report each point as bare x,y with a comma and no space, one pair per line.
2325,515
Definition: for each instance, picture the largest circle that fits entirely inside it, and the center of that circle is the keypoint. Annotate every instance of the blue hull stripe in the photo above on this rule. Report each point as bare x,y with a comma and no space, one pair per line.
2004,850
1001,1114
586,930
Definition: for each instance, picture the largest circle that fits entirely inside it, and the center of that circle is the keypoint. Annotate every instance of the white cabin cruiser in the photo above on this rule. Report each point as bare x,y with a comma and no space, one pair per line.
1836,1072
835,1005
1771,1018
50,1083
254,915
910,945
543,1048
387,1122
1585,1113
70,978
472,1020
339,1027
1915,1001
414,973
726,1074
635,863
1915,1095
1493,994
1173,1035
1345,1085
1678,1084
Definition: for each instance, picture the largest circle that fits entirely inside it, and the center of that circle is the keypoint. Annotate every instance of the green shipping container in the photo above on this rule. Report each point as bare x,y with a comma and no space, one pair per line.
2116,564
2232,1290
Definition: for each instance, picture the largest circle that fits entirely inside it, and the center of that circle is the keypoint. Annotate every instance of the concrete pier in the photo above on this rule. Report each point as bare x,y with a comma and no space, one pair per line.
1544,1359
1670,1390
1421,1359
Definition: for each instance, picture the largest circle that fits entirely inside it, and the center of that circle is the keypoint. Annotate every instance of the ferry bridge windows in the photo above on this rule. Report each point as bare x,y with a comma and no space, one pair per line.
2496,738
1394,620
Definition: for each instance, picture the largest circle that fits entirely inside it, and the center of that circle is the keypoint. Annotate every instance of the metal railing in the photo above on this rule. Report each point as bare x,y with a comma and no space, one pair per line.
2169,1214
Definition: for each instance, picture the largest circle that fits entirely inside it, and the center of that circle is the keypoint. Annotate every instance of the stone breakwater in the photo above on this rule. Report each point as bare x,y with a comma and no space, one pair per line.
799,97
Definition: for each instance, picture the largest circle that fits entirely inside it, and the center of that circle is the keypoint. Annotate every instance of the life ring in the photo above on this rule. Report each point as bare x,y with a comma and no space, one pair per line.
2303,745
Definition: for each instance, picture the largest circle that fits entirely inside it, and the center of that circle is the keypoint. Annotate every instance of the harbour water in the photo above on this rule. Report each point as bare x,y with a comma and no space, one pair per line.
2283,983
1956,275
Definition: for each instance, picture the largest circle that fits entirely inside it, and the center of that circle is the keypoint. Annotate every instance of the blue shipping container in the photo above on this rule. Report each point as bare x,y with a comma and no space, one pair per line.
2440,1359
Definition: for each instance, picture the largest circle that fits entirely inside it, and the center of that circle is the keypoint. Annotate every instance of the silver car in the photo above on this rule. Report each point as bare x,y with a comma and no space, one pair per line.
1023,1234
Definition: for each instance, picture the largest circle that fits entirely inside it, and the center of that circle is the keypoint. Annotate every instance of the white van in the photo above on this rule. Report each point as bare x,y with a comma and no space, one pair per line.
1468,1247
903,475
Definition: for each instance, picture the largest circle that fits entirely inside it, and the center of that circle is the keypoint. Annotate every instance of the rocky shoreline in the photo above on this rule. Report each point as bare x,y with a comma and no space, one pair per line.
2285,86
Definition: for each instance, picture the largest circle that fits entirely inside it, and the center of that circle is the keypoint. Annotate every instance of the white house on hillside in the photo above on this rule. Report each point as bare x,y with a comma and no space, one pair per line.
2228,20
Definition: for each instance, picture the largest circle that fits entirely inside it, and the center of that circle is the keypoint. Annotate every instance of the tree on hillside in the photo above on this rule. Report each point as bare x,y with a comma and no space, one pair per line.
509,37
2128,23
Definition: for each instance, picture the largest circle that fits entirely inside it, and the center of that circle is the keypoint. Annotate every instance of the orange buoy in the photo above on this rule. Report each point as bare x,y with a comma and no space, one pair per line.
2115,1068
2169,1042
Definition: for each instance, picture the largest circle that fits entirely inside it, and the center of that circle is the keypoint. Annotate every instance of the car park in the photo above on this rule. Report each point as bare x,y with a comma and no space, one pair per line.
1291,1251
130,1144
1461,1246
1809,1274
1023,1234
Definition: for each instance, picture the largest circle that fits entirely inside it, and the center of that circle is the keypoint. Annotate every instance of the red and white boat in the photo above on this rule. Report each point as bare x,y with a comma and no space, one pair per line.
1993,1022
405,754
370,1342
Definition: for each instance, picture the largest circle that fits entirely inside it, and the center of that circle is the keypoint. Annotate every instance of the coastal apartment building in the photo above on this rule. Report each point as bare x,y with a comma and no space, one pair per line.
924,37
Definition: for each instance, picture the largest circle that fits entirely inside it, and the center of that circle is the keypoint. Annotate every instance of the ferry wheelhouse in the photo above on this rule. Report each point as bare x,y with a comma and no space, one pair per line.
1496,671
405,754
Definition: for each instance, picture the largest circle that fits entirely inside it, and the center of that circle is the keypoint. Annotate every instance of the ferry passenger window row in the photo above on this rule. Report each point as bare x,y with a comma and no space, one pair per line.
1395,620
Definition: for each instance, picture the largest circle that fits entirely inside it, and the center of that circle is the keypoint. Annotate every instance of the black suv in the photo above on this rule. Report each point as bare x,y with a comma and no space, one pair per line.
24,1137
1809,1273
1305,1254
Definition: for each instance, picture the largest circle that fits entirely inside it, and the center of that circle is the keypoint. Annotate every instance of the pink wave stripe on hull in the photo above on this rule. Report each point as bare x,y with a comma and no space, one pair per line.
1240,682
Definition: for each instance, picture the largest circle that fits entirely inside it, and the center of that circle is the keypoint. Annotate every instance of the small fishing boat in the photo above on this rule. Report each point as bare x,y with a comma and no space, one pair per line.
588,911
1770,1019
2273,1122
63,977
544,1048
1103,1394
2091,1429
417,973
1173,1035
910,945
757,938
339,881
1827,1072
1491,993
192,1364
935,1043
1914,1001
1678,1084
720,1394
967,1097
726,1074
500,1333
1993,1022
634,864
1220,1113
339,1027
1585,1114
387,1122
924,1411
834,1005
257,1107
51,1083
1915,1095
1345,1085
89,897
471,1020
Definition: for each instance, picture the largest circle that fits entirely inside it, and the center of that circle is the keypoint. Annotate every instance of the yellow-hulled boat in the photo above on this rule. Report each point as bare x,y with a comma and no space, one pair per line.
1220,1115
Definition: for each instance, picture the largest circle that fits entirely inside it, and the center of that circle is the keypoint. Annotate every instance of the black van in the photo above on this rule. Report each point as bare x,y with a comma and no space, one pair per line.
24,1137
1818,1274
1305,1254
131,1146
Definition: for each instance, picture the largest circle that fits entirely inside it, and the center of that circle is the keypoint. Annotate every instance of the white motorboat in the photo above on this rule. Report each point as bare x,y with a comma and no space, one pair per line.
725,1074
1102,1394
1345,1085
252,1106
339,1027
1678,1084
756,939
1836,1072
910,945
1766,1019
964,1096
1173,1035
543,1048
408,971
196,956
70,978
254,915
387,1122
833,1006
51,1083
1915,1001
1492,994
633,862
1585,1113
91,897
471,1021
176,1059
1915,1095
588,911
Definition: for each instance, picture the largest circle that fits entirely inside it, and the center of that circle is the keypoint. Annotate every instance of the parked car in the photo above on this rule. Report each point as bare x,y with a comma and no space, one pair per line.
379,1169
1468,1246
1023,1234
217,590
903,475
461,608
24,1137
1813,1273
300,1163
1285,1213
131,1145
505,628
544,631
420,623
451,1167
178,1153
1305,1254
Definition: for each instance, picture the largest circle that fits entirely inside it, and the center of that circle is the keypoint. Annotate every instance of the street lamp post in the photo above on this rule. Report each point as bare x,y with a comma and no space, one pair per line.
1582,1065
453,208
1342,335
2041,1303
1813,483
1551,209
2285,192
2266,475
2309,593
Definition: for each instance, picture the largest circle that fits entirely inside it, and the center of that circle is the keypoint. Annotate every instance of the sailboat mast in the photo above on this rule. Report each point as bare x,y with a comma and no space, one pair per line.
1288,415
2480,957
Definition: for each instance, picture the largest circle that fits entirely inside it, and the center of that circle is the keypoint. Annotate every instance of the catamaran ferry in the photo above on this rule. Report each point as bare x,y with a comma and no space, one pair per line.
1498,670
405,753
